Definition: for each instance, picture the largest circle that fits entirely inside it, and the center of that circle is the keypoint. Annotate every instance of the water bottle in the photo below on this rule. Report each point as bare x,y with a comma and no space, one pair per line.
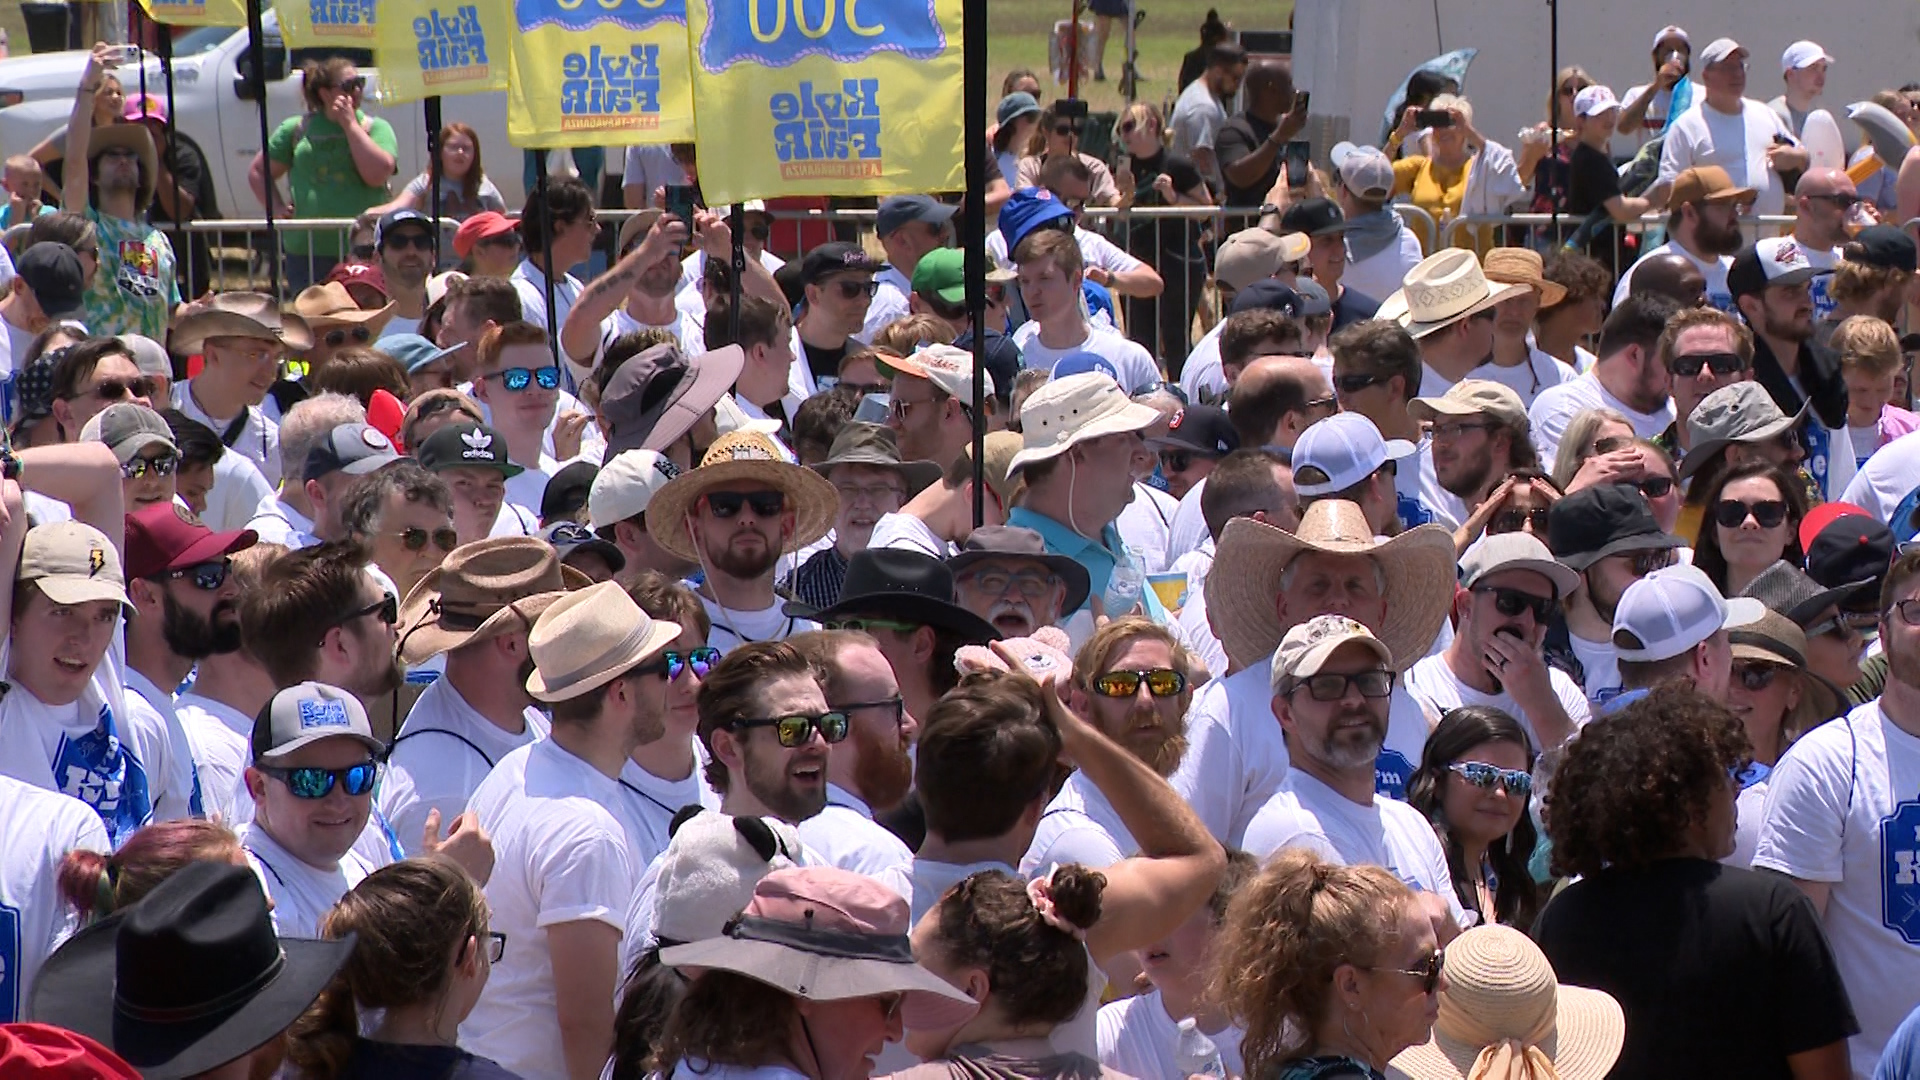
1196,1055
1124,586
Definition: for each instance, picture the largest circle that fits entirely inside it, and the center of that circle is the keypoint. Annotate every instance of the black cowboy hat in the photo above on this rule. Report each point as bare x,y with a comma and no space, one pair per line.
899,585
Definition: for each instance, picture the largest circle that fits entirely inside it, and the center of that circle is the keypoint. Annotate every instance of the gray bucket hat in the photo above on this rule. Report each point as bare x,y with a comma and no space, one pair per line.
1743,412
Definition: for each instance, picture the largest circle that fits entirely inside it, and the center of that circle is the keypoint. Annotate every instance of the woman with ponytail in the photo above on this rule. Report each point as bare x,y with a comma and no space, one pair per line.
1330,970
422,957
98,885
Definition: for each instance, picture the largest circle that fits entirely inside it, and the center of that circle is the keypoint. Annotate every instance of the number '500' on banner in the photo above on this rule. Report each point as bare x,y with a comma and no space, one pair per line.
599,73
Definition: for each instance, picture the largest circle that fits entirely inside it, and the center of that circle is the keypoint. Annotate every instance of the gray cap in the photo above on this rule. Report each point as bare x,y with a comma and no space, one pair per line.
900,209
148,355
306,713
354,449
128,428
1515,551
1743,412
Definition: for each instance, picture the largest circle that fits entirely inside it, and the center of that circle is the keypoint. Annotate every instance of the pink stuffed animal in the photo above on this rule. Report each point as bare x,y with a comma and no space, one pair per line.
1045,653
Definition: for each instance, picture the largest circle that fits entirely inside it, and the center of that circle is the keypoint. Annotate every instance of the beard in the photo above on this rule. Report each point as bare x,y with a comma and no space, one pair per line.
1021,620
768,781
1350,748
1161,745
1903,665
1471,479
189,635
884,774
1795,330
1714,240
741,564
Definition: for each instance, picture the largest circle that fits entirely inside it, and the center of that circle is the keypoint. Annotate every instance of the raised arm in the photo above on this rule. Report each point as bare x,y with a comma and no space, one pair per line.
85,476
74,183
716,239
13,531
580,337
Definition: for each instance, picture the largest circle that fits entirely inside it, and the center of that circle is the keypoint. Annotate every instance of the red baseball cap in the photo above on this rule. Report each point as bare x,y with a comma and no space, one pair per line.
167,536
42,1051
357,273
479,227
1824,515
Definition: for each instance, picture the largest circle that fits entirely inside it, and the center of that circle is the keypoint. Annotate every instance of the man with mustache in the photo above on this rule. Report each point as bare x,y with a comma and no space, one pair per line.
872,770
1005,575
1703,225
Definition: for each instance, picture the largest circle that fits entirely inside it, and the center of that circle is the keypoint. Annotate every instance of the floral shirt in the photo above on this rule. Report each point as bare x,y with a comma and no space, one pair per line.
135,290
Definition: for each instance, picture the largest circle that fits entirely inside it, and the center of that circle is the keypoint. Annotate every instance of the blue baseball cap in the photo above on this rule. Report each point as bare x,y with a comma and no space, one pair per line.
413,351
1031,208
1098,299
1079,363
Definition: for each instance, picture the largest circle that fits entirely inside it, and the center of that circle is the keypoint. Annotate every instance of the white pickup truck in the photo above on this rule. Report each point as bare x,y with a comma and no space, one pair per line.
216,107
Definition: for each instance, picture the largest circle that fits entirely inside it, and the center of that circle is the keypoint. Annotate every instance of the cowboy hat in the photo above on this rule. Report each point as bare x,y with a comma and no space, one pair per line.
742,456
1523,266
238,314
990,543
1502,1013
899,585
189,978
480,591
1777,639
1442,289
875,447
135,137
826,934
1418,564
330,303
588,638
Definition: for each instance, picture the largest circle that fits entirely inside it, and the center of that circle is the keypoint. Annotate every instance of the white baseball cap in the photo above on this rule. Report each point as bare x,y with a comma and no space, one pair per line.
948,368
1673,609
1347,448
624,486
1802,54
1719,49
1594,100
1671,32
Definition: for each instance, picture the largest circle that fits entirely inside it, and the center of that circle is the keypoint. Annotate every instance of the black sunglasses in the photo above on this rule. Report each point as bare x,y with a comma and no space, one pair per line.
852,290
1428,973
794,731
354,85
1721,363
359,335
1646,562
419,241
135,468
1353,384
416,539
725,504
118,389
1732,513
1508,521
206,576
1511,602
366,251
1656,487
386,609
1755,676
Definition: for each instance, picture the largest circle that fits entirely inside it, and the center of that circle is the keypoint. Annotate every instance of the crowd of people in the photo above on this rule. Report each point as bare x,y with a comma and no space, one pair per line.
490,673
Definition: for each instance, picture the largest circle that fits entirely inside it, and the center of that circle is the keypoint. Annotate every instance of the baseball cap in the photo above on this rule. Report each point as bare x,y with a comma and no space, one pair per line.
1850,551
899,210
53,271
942,272
358,273
1886,246
127,428
1307,647
167,536
1031,208
305,713
1594,100
1777,260
412,350
1819,517
1345,448
148,355
1364,170
1595,522
72,562
836,257
1671,32
567,490
465,445
1515,551
1314,217
1474,397
1741,412
1707,183
1802,54
1199,427
571,538
1719,49
354,449
1272,294
1673,609
947,367
394,219
625,485
1252,255
145,107
485,224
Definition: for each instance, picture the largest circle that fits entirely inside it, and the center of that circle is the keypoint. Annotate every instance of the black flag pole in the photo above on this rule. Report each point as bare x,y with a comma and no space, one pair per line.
973,38
431,110
256,39
163,35
546,256
736,221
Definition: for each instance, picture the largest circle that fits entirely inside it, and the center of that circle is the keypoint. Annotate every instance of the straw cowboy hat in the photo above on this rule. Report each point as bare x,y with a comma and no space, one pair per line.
734,457
590,637
1418,565
135,137
826,934
1066,412
480,591
238,314
1502,1013
1444,288
1523,266
331,303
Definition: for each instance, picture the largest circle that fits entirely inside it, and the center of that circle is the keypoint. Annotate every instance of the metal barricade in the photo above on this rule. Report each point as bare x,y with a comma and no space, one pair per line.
1617,247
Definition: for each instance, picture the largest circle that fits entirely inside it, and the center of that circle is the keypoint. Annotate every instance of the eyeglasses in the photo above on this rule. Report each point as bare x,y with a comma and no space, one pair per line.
1844,625
1428,973
896,703
206,576
419,241
118,389
1484,776
496,946
872,493
312,782
1456,430
1656,487
1908,610
1755,676
795,730
1507,521
1511,602
853,290
1331,687
873,624
359,335
1161,683
1646,562
1127,128
1353,384
516,379
135,468
416,539
725,504
1732,513
1032,584
1720,363
386,609
673,663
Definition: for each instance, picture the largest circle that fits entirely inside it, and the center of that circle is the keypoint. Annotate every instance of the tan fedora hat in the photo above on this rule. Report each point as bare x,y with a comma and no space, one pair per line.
1503,1013
636,226
1778,640
1523,266
332,303
238,314
590,637
1442,289
734,457
482,590
1418,565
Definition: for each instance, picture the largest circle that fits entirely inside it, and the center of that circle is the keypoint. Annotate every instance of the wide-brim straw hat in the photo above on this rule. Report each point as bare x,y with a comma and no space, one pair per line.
735,457
1502,1000
1444,288
480,591
1418,565
238,314
1523,266
135,137
588,638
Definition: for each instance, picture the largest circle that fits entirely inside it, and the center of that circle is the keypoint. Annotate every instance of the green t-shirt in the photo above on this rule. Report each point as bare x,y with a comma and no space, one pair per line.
135,290
322,178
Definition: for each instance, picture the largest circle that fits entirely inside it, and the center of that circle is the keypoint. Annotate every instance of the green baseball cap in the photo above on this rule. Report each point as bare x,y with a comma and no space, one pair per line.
942,272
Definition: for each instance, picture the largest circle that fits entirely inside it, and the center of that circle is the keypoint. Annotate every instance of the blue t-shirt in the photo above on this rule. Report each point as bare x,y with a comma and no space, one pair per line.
1901,1059
393,1061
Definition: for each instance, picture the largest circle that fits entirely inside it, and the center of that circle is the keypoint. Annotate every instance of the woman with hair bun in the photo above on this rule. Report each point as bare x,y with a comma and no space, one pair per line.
1329,970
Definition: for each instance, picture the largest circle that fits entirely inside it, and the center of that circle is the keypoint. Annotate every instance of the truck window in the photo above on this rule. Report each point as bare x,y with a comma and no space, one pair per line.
362,58
201,39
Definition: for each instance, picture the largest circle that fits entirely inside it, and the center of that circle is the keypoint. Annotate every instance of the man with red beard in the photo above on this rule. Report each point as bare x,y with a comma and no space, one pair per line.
870,771
1130,681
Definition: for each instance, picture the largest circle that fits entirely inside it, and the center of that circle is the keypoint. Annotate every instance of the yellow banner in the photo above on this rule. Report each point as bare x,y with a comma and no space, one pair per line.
196,12
443,47
816,97
306,24
599,73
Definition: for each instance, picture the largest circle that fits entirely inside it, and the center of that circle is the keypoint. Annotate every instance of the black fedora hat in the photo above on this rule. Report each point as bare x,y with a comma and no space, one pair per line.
898,585
189,978
991,542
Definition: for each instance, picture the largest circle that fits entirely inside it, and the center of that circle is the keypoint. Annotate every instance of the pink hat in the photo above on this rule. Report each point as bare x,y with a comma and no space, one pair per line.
145,107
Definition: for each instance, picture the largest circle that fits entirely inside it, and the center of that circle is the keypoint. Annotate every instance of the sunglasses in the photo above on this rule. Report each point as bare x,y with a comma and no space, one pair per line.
795,730
725,504
853,290
364,251
1161,683
1507,521
1656,487
206,576
355,85
419,241
1178,461
1428,972
359,335
872,624
1754,676
416,539
1484,776
1511,602
516,379
1732,513
1353,384
118,389
386,609
1844,625
310,782
1330,687
673,663
1721,363
897,704
138,467
1839,199
1063,129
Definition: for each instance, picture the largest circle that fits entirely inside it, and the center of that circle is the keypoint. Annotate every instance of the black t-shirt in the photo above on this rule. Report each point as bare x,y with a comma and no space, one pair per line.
190,171
1239,137
1591,182
1721,971
1155,240
824,363
394,1061
1352,307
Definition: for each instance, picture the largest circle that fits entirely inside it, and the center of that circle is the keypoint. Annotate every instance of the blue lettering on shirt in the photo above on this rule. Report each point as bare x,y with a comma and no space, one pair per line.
1412,511
1391,771
97,769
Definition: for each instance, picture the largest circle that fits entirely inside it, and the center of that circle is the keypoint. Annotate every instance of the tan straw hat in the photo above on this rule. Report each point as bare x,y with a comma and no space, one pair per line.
332,303
590,637
1502,1013
1523,266
238,314
1444,288
1066,412
734,457
480,591
1418,565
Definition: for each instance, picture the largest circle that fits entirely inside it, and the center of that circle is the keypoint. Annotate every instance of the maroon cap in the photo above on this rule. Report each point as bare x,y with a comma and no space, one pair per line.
167,536
358,273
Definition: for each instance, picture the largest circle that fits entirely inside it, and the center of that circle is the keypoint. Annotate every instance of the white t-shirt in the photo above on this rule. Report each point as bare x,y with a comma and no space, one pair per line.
258,440
1078,826
1556,407
1737,142
302,893
1433,684
1383,272
733,627
1095,251
1600,662
561,855
443,751
891,289
931,880
1196,121
1750,811
845,835
1714,270
1204,377
1138,1038
278,523
1656,114
531,283
1843,807
1146,526
1138,373
529,487
688,331
908,533
1236,758
1540,373
1194,629
238,490
1888,479
221,737
1189,532
653,801
41,827
514,520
